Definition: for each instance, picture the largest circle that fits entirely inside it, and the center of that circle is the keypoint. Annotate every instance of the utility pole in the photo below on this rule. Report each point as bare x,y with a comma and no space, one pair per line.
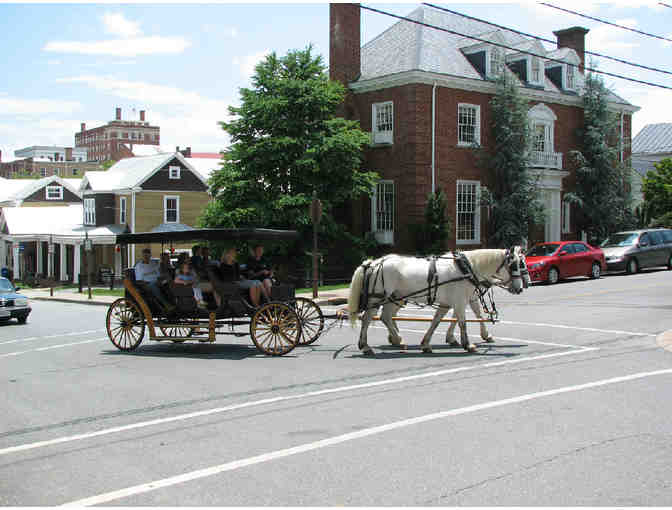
316,216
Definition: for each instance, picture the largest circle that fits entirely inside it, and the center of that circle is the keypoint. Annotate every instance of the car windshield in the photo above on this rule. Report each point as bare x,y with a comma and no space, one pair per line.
542,250
6,286
627,239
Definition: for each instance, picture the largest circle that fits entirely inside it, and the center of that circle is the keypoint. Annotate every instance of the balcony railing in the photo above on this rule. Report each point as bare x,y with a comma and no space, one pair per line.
540,159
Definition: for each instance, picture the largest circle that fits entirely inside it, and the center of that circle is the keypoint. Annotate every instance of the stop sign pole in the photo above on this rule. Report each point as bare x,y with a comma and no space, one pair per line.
316,216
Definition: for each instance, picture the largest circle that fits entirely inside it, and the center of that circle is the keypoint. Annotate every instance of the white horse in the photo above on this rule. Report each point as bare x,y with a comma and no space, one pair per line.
475,306
393,279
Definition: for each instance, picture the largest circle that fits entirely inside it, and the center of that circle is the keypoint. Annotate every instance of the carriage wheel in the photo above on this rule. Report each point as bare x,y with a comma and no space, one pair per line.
312,320
125,324
275,329
177,331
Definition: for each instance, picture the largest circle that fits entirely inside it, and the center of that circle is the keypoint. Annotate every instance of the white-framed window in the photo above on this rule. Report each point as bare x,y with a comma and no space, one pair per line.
122,210
468,212
55,192
566,225
540,137
542,127
89,211
383,122
75,171
468,124
495,62
536,71
171,209
174,172
382,212
570,82
43,172
57,171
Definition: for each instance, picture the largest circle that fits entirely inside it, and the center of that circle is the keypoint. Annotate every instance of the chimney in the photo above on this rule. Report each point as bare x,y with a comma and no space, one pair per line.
177,149
574,38
142,115
83,126
118,115
68,153
344,42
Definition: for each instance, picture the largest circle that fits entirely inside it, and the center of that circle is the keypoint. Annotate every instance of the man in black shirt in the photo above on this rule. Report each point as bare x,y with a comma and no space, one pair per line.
259,269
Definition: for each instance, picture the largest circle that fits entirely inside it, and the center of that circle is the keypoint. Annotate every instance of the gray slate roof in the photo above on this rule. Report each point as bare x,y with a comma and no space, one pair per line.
653,138
407,46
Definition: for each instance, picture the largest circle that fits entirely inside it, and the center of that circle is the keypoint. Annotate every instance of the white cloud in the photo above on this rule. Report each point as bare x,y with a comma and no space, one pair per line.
122,47
28,107
117,24
247,63
606,38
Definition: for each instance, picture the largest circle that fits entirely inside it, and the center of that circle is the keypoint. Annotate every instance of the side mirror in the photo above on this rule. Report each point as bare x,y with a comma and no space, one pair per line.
562,253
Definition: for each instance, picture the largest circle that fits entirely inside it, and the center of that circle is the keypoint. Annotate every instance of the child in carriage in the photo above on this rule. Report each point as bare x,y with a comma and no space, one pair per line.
185,275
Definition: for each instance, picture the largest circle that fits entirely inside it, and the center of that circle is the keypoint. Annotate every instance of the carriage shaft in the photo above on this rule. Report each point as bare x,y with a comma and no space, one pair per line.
430,319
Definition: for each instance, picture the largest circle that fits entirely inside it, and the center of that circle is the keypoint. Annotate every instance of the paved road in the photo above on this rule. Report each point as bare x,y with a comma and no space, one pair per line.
570,406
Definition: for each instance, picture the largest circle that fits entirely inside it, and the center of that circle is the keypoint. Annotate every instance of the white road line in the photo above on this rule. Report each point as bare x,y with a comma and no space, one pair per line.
18,353
335,440
561,326
285,398
76,333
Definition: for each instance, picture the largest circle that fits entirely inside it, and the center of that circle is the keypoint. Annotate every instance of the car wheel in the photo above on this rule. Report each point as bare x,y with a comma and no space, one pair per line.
553,276
23,319
632,267
595,271
669,262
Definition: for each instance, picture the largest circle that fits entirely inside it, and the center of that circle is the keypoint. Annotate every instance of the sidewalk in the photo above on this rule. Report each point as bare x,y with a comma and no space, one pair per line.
328,298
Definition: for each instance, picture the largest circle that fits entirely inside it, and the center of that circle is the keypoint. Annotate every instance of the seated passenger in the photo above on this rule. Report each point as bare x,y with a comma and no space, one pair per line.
258,268
186,276
166,271
229,272
147,270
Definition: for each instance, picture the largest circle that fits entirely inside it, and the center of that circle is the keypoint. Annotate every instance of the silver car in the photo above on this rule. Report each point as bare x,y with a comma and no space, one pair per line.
637,249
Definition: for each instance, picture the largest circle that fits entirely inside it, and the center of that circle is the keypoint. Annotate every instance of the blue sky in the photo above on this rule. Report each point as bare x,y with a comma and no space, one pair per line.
64,64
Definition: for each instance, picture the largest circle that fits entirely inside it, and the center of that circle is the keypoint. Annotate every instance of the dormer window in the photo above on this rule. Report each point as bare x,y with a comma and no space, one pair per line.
54,193
174,172
536,72
495,63
570,77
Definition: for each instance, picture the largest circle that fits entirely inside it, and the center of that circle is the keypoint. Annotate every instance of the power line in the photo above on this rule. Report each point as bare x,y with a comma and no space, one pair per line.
665,5
606,22
546,40
545,57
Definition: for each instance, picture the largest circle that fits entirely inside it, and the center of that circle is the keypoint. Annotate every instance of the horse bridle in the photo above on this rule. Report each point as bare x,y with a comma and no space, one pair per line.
515,270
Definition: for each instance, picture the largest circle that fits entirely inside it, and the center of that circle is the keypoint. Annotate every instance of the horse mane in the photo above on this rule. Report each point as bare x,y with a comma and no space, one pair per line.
485,261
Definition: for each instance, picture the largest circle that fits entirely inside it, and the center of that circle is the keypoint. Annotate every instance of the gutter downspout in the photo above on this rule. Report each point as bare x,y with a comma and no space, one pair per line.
622,120
131,258
434,138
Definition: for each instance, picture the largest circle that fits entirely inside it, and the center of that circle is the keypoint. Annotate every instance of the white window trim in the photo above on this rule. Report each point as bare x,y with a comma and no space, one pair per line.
565,78
383,236
566,222
543,115
542,68
381,137
122,210
165,208
43,172
477,213
89,211
489,72
174,172
477,131
54,188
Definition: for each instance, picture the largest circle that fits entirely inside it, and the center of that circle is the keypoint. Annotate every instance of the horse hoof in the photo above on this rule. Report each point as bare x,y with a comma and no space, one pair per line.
490,339
403,347
368,352
427,350
471,348
454,343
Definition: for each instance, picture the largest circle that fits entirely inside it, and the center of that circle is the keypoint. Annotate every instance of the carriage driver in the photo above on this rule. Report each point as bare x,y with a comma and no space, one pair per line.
148,270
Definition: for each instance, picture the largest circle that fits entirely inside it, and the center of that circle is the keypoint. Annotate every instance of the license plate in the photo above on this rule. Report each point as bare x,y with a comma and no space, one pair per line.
4,313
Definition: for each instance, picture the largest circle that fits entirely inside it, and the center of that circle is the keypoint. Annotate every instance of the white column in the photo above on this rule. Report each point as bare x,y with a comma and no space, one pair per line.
556,215
78,263
117,261
3,253
50,259
38,256
63,265
16,254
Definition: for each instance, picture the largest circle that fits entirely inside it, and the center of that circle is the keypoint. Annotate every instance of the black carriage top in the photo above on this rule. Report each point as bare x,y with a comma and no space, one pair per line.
208,234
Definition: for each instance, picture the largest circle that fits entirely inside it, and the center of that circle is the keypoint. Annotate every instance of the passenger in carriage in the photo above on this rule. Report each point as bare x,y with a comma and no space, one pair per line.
166,270
185,275
259,269
148,271
229,272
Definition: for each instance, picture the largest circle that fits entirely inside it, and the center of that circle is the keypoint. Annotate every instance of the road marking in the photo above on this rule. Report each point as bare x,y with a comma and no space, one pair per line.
18,353
285,398
335,440
76,333
561,326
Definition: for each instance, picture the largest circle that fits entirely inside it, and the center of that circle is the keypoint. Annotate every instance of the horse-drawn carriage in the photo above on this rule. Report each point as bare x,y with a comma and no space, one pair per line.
276,327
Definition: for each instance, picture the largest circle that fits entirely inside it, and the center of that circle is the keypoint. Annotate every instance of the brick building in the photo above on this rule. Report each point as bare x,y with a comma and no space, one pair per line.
40,161
425,97
113,140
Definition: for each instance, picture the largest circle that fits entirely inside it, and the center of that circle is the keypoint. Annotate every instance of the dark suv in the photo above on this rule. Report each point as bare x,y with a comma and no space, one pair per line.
636,249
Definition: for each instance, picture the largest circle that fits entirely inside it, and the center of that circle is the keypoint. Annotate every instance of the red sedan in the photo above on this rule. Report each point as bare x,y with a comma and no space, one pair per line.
549,262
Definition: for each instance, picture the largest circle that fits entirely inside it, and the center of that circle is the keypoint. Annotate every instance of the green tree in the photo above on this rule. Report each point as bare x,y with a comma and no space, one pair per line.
431,237
514,198
657,189
602,193
287,143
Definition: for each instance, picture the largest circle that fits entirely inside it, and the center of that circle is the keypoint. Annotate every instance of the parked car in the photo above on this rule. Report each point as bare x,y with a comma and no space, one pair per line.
633,250
12,304
549,262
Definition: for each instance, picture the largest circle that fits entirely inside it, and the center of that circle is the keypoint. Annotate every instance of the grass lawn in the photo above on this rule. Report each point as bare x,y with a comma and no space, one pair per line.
324,288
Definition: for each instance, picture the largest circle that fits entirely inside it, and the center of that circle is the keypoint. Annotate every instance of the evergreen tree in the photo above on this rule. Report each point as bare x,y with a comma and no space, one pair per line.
514,199
602,193
657,189
436,230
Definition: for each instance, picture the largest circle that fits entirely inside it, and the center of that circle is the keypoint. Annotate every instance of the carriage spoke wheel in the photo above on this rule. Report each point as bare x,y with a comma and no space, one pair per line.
311,318
275,329
125,324
177,331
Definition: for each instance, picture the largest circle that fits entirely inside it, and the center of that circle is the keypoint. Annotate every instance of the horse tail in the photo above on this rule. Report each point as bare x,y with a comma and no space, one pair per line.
355,291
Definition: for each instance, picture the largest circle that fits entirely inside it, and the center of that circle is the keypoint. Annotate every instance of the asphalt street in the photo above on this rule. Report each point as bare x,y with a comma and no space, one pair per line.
569,407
